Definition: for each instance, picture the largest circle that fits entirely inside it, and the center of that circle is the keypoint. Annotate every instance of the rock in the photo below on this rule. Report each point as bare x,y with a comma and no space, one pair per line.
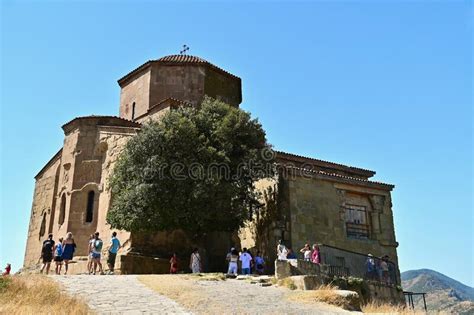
307,282
265,284
242,277
351,299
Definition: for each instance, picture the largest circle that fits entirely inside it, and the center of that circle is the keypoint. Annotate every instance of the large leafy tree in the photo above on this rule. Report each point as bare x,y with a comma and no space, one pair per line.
194,170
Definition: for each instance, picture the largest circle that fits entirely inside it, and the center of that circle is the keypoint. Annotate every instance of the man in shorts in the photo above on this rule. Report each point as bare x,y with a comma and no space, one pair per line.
113,249
47,253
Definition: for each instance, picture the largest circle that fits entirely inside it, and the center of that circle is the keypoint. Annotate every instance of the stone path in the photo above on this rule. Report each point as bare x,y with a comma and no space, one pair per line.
118,295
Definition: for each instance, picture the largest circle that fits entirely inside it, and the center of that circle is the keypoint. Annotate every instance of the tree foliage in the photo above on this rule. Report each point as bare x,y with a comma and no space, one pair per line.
194,170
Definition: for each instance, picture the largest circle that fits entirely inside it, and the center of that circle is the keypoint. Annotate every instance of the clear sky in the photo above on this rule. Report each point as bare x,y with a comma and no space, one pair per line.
384,86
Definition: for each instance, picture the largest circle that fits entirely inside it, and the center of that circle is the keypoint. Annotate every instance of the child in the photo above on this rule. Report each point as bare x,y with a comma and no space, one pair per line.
58,256
259,263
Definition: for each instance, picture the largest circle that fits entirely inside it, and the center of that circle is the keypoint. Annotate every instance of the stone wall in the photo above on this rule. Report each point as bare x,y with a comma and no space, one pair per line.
136,91
42,211
317,216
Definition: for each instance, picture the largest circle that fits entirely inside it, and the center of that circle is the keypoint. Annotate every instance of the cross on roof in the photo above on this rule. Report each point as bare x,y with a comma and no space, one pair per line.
185,49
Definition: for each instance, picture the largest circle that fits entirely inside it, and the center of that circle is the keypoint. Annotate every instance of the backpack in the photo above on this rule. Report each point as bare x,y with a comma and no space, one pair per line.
47,246
98,245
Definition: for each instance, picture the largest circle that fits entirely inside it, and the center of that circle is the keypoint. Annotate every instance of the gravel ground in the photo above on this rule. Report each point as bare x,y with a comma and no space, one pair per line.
231,296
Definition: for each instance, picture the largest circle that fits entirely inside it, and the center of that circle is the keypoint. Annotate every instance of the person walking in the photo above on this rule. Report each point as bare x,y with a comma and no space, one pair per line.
315,257
69,246
96,253
174,264
195,263
47,253
306,251
233,258
58,256
112,252
245,259
89,254
259,263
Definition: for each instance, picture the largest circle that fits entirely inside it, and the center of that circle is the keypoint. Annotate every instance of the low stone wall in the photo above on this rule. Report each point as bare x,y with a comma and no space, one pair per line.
295,267
135,264
309,276
385,293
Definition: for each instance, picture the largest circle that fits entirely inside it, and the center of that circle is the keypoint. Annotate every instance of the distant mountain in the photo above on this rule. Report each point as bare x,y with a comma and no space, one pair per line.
443,293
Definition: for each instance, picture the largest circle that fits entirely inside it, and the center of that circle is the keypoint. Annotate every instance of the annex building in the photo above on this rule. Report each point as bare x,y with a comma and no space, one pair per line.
316,201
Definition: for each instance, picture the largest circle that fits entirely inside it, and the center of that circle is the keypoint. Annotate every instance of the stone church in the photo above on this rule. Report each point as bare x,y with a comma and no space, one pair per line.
313,201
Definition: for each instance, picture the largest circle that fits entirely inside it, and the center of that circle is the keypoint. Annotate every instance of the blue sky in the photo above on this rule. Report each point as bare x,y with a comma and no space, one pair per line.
384,86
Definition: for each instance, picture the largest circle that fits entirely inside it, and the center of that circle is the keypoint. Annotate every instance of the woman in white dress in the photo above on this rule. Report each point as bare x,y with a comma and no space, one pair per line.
195,262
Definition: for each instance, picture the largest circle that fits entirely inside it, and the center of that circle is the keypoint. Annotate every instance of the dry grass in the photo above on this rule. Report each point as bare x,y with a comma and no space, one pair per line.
205,276
36,294
378,308
184,289
324,294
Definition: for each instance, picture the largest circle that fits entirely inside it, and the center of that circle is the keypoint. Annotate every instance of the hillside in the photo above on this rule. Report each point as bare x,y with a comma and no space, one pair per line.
443,293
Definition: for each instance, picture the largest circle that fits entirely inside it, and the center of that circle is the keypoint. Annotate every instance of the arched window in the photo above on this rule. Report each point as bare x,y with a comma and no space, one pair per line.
133,111
43,226
90,206
62,209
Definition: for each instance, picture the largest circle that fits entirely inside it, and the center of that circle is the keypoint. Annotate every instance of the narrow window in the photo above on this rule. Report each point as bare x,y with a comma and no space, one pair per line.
133,111
62,209
90,206
43,226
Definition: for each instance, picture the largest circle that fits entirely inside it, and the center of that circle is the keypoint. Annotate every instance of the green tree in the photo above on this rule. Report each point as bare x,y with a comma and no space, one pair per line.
194,170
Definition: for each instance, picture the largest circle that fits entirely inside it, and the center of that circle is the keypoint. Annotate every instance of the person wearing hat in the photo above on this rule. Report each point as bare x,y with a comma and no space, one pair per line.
370,267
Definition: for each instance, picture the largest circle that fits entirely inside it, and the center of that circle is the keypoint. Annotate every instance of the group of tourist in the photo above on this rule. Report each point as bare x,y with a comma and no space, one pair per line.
60,252
309,253
248,263
378,269
195,262
63,251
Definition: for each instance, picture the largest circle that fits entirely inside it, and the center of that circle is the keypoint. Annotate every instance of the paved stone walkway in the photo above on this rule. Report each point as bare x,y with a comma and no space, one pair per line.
118,295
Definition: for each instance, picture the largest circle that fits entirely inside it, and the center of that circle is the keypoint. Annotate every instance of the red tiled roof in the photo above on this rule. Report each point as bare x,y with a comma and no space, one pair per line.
176,59
327,164
345,177
182,59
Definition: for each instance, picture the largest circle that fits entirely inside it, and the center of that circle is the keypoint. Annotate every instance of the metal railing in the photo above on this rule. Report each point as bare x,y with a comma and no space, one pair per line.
348,263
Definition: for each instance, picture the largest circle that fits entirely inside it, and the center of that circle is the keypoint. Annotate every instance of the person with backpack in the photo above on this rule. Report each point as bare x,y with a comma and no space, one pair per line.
96,253
47,253
58,253
69,247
